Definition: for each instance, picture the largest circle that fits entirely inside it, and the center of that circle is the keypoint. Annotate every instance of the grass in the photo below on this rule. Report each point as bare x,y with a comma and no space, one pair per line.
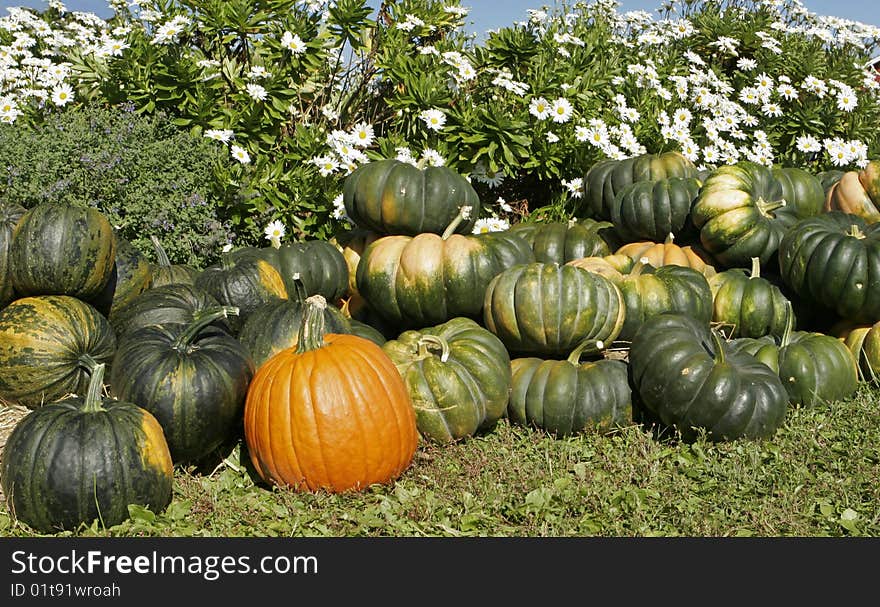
818,476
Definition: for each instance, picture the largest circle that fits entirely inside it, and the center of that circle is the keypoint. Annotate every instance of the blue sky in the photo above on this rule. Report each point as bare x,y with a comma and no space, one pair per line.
491,14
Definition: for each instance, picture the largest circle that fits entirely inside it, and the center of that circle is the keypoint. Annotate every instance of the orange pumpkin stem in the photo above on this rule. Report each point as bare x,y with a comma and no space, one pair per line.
312,329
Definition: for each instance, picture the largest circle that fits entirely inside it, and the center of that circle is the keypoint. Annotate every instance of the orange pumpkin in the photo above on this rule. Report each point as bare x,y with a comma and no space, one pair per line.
669,254
332,413
857,193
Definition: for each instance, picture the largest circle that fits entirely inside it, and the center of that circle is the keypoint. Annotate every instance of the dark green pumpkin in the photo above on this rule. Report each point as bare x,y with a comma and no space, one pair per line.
458,376
689,378
85,458
801,190
393,197
747,304
274,326
741,214
246,284
318,264
652,210
814,368
648,291
10,214
192,377
48,344
62,250
561,242
425,280
131,275
565,397
608,177
175,303
548,310
362,329
833,260
166,273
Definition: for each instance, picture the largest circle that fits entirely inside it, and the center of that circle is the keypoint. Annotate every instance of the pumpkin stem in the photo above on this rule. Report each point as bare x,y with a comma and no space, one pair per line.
87,362
161,255
670,239
789,325
199,322
588,346
855,232
427,342
640,265
312,329
756,268
299,289
464,213
94,402
767,208
719,347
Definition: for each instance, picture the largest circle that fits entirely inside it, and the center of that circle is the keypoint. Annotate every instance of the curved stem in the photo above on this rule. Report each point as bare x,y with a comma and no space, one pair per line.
200,321
312,329
299,289
87,362
464,214
588,346
719,347
756,268
161,255
670,239
789,325
767,208
428,342
94,402
855,232
640,265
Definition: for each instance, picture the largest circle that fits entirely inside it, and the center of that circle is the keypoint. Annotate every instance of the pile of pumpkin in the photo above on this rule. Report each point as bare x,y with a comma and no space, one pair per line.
705,303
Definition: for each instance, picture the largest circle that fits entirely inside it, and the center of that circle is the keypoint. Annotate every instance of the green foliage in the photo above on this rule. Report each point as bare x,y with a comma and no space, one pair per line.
144,174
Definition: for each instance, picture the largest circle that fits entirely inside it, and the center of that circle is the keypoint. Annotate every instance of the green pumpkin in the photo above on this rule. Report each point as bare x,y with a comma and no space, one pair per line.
10,214
393,197
747,304
547,309
685,375
814,368
565,397
652,210
800,190
166,273
362,329
318,264
648,291
62,250
425,280
561,242
457,374
192,377
833,260
85,458
741,214
274,326
246,285
131,275
607,177
48,344
175,303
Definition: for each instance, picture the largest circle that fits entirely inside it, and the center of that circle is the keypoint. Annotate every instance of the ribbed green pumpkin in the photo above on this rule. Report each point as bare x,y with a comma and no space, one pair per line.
608,177
649,291
362,329
425,280
10,214
833,259
565,397
561,242
652,210
548,310
62,250
741,214
166,273
48,343
192,377
175,303
246,285
800,190
319,265
747,304
689,378
814,368
274,326
393,197
457,374
131,275
82,459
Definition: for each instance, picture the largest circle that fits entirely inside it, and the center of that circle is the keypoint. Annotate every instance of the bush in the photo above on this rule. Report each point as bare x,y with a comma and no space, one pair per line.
145,174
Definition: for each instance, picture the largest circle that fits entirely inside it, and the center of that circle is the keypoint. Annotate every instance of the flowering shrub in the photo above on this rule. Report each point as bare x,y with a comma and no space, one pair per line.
301,92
